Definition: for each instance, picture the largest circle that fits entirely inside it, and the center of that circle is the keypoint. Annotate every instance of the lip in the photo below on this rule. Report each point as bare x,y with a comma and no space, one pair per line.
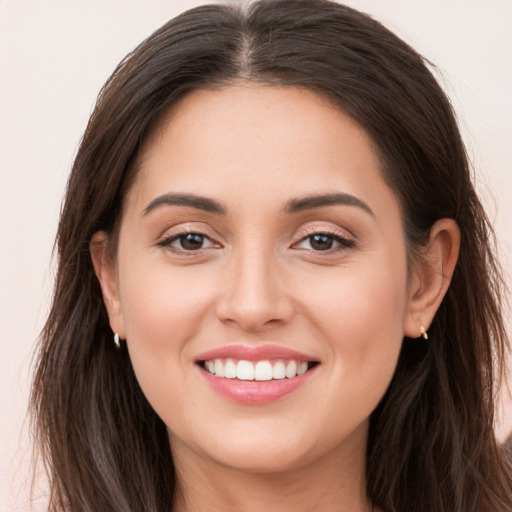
254,353
255,392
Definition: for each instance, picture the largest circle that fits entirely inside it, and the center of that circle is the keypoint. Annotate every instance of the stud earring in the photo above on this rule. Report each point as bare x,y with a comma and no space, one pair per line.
116,340
424,332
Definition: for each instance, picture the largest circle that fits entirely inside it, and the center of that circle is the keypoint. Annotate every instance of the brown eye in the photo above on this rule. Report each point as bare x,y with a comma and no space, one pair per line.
191,241
187,242
325,242
321,242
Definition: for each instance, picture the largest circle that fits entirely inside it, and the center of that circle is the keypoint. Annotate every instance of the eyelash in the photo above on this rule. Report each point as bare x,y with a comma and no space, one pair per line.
344,243
167,241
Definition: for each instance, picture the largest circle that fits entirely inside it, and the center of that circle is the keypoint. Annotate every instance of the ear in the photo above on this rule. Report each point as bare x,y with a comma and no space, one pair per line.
105,269
431,276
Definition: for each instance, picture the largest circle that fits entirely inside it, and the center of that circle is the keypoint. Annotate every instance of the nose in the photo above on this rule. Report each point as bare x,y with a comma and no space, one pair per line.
255,296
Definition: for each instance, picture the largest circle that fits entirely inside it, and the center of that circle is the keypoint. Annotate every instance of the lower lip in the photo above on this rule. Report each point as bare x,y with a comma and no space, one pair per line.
255,392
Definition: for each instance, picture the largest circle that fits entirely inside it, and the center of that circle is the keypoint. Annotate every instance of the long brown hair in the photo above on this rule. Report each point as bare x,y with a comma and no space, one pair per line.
431,443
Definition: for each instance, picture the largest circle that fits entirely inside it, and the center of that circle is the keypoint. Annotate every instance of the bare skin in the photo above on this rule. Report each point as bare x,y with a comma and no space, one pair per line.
257,264
303,489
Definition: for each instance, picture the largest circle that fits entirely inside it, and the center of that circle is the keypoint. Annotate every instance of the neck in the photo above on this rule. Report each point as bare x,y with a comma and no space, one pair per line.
329,483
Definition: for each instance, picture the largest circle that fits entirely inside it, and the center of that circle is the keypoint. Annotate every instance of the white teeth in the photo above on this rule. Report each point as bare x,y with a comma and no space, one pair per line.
303,368
219,368
263,370
291,369
230,369
278,370
245,370
260,370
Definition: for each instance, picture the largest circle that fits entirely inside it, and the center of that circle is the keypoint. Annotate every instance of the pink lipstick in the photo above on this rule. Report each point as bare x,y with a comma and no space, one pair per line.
255,374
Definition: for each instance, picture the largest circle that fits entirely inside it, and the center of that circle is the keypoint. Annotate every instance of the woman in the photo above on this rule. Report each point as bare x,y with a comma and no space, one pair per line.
276,287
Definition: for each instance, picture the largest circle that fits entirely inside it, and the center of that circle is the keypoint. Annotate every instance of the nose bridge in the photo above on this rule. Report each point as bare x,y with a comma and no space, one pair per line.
253,273
254,294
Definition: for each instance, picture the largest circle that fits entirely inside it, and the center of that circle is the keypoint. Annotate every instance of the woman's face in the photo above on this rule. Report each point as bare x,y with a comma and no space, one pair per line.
259,229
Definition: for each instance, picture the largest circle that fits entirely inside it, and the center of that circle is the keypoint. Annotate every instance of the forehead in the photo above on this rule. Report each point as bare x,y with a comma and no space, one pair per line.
260,141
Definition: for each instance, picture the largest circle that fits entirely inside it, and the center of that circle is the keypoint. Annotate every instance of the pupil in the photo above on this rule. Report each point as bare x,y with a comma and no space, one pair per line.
321,242
191,241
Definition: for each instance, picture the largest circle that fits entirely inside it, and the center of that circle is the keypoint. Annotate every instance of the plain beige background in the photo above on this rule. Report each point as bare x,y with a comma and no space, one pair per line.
54,57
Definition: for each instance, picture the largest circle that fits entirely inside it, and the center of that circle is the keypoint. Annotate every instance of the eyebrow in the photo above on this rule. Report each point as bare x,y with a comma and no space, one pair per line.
199,202
293,206
319,201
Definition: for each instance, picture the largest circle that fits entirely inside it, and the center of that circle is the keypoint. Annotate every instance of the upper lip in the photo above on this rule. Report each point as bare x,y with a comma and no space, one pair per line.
254,353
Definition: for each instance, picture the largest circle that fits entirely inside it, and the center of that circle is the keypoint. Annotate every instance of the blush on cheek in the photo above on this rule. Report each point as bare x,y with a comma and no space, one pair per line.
367,331
163,305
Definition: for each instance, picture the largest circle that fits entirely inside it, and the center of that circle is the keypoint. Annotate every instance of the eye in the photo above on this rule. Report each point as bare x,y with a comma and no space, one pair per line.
324,242
187,242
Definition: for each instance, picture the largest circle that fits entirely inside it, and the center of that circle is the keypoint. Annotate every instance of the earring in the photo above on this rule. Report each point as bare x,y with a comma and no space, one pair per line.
424,332
116,340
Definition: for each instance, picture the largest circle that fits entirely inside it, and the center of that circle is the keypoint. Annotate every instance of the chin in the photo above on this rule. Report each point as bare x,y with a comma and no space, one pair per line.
270,446
262,458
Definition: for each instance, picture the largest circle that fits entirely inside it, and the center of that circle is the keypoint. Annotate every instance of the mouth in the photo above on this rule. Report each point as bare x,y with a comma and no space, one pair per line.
256,374
262,370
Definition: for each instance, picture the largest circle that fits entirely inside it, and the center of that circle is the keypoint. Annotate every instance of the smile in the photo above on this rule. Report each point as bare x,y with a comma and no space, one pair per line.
256,370
256,374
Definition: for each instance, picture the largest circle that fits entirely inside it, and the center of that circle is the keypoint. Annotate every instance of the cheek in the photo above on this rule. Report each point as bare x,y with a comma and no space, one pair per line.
360,317
362,297
164,308
370,310
360,322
